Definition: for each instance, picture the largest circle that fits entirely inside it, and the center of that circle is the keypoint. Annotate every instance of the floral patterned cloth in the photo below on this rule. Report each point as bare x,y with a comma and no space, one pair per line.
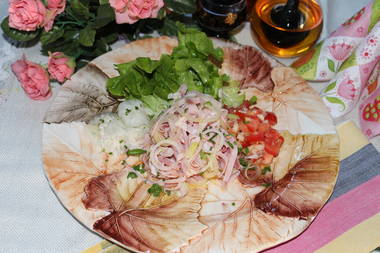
369,111
323,61
344,91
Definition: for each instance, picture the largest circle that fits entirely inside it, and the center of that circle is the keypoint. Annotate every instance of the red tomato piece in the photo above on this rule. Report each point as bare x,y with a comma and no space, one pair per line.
254,138
263,127
271,118
273,145
253,124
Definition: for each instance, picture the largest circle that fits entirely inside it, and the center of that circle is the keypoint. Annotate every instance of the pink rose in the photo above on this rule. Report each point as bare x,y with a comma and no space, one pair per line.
49,19
60,66
26,15
58,5
33,78
55,7
130,11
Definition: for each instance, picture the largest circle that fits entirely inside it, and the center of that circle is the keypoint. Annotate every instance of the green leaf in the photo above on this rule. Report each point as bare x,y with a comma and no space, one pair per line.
335,100
156,104
168,28
18,35
231,96
330,86
331,65
146,64
105,15
112,37
101,2
87,37
123,68
80,9
181,6
52,35
116,86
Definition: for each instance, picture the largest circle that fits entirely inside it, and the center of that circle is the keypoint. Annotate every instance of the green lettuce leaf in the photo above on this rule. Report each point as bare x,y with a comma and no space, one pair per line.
231,96
155,104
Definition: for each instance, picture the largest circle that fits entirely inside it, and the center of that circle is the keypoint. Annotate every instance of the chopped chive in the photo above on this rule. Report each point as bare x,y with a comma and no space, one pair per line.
232,116
168,192
127,111
204,155
208,103
230,144
233,203
136,107
139,168
243,162
136,151
123,162
212,138
155,190
106,160
110,153
253,100
245,151
101,120
121,141
265,170
266,184
132,175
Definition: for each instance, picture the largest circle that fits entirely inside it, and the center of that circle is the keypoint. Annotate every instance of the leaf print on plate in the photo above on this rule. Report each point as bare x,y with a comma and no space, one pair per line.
161,229
294,102
246,230
306,186
118,192
81,98
72,157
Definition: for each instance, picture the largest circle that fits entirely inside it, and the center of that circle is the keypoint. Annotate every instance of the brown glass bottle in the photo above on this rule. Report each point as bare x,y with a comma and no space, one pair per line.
286,42
219,17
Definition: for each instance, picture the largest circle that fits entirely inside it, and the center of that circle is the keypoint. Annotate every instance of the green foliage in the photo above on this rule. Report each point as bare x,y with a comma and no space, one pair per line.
87,28
18,35
181,6
152,81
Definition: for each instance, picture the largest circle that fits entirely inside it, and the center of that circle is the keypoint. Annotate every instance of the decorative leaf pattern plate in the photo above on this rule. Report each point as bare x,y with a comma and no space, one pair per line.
240,216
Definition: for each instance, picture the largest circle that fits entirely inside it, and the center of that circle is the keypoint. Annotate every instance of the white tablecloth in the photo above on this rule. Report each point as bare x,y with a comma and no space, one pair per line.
31,217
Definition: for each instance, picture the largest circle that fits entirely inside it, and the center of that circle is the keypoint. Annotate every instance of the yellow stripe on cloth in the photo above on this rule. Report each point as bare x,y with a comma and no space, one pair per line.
362,238
94,249
351,139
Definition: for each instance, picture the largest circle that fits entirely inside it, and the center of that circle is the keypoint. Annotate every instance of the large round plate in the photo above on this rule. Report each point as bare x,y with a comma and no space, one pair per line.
211,218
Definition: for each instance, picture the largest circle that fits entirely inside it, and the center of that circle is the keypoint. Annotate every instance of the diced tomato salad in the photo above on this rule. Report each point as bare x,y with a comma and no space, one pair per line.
253,129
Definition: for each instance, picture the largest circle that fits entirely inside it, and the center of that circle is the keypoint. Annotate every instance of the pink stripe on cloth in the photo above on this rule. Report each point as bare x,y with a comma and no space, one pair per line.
337,217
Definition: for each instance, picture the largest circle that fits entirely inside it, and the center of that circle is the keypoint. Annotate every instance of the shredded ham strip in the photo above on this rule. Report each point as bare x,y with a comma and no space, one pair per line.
188,139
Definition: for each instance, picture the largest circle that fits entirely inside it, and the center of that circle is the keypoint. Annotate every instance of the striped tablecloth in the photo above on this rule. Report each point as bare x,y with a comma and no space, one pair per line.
350,221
